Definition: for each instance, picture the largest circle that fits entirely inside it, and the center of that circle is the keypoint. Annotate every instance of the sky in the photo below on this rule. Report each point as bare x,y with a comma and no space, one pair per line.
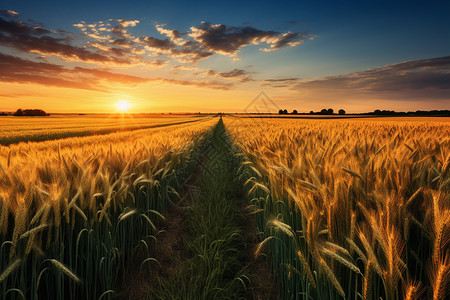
224,56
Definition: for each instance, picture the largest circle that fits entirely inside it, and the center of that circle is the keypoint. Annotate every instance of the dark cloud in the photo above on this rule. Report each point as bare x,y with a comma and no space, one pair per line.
240,74
184,67
26,38
423,74
230,74
18,70
122,43
185,51
8,13
206,39
229,39
159,44
120,31
291,79
14,27
110,42
210,84
416,80
280,82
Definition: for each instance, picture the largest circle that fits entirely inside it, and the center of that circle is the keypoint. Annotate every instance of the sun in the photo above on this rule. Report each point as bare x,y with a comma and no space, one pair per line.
123,105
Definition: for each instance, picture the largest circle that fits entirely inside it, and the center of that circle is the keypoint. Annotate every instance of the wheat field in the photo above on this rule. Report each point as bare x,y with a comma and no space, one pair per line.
342,208
351,208
73,210
26,129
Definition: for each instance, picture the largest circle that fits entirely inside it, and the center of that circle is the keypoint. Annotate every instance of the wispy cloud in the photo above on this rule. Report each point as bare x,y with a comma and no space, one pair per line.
19,70
185,67
239,74
280,82
432,75
415,80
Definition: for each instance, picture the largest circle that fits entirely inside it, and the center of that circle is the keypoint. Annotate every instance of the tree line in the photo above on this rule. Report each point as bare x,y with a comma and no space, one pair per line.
30,113
377,112
324,111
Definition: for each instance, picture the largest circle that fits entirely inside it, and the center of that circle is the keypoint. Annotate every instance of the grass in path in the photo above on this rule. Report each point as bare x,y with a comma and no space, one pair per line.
215,245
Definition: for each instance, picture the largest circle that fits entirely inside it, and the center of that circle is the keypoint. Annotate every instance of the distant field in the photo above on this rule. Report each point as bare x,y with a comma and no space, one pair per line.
22,129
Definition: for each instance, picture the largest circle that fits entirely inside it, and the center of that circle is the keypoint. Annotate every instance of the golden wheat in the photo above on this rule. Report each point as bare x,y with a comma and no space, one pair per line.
378,188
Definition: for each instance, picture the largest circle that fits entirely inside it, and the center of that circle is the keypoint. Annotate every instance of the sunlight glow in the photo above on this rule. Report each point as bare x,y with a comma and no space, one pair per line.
123,105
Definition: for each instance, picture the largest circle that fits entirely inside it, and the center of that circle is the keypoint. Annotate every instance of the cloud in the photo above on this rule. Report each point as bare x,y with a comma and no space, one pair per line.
415,80
26,38
210,84
291,79
158,44
19,70
288,39
173,34
111,42
424,74
97,31
126,23
280,82
187,51
126,43
184,67
207,39
8,13
229,40
240,74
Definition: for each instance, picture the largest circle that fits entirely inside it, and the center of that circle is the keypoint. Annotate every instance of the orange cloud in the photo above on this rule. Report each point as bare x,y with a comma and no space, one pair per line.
18,70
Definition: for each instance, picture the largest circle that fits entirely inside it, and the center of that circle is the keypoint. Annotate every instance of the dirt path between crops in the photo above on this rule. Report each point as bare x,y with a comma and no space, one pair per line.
170,250
263,286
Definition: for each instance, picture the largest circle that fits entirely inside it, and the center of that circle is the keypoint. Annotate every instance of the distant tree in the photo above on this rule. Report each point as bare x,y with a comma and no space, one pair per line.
377,111
324,111
330,111
285,112
342,112
311,112
18,112
294,112
280,112
31,112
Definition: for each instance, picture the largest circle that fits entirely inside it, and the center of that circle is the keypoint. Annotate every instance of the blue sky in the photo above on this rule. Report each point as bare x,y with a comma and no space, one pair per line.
342,37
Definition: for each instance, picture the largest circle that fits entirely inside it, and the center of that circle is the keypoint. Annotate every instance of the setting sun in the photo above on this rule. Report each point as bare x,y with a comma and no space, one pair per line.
123,105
